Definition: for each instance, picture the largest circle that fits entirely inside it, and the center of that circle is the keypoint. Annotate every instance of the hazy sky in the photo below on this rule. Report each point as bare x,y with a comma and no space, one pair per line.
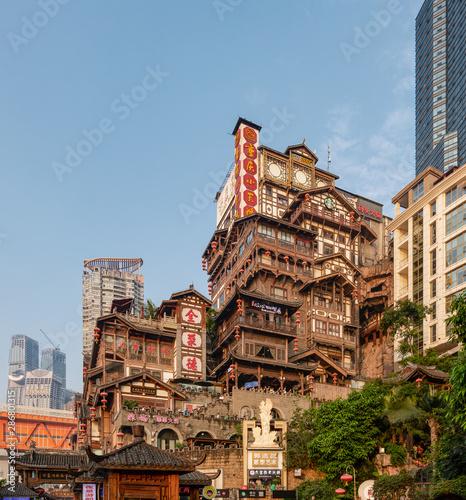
115,130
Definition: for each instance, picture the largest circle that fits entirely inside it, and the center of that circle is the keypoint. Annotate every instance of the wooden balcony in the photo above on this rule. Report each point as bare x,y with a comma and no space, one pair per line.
326,215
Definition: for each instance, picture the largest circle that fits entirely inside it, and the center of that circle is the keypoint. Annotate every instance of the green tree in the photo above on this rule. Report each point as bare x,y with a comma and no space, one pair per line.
338,433
392,487
403,321
150,310
210,323
457,320
320,489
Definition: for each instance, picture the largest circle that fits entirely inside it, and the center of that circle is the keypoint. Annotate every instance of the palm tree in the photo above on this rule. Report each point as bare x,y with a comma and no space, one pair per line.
150,310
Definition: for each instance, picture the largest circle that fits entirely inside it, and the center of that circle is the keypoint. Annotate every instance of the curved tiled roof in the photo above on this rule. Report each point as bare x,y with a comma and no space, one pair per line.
62,459
139,454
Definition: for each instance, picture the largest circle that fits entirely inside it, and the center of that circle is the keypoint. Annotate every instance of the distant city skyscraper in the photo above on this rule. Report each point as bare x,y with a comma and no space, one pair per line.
104,280
24,357
441,84
54,360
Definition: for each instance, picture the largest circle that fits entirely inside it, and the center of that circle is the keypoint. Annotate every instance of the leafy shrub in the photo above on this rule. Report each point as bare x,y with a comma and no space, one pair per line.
397,454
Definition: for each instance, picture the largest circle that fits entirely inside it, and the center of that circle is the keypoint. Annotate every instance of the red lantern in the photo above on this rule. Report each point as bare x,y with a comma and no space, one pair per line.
237,335
304,263
214,246
352,216
267,253
234,280
248,261
92,413
241,271
120,441
295,349
340,491
419,380
335,376
204,262
228,287
298,314
306,198
355,294
96,334
104,400
346,478
232,372
286,258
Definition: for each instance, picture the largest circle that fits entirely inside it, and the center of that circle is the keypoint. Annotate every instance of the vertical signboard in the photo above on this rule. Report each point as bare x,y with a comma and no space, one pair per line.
246,168
89,492
191,340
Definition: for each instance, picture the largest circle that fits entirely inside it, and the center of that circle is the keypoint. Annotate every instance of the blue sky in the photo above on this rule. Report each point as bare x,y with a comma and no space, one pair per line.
115,130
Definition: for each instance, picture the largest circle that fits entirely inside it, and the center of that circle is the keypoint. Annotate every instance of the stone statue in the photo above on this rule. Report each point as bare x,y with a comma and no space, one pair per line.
264,436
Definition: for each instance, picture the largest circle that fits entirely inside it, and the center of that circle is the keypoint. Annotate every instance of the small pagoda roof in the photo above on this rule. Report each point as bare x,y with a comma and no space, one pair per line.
140,455
412,372
195,478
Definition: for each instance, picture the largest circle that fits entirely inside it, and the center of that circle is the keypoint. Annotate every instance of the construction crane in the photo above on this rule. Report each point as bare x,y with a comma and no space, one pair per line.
57,347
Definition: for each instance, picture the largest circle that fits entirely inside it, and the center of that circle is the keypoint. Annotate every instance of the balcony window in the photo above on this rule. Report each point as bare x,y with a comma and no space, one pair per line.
328,234
278,292
418,191
334,329
284,236
328,249
321,326
282,200
266,231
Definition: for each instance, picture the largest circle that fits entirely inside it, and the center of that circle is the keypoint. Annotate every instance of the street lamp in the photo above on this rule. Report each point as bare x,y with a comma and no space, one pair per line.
347,478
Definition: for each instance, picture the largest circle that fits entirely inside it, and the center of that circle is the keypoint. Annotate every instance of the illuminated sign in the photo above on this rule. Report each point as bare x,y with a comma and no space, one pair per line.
265,473
266,307
366,208
143,390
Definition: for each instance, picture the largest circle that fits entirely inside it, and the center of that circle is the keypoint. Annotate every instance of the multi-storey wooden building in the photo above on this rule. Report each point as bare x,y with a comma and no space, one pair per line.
283,272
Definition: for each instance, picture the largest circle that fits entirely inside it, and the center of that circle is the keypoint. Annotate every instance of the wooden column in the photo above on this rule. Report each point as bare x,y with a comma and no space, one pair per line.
281,381
302,383
258,376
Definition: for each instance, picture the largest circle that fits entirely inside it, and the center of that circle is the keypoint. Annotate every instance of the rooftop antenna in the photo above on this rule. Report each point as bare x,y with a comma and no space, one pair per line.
329,158
57,347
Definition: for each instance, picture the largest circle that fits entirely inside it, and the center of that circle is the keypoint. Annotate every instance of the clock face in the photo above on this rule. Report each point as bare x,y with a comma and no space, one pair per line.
329,203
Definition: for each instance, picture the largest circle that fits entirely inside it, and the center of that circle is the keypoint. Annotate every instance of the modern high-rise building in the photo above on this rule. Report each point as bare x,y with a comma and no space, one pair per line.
54,360
429,249
24,357
441,85
104,280
24,354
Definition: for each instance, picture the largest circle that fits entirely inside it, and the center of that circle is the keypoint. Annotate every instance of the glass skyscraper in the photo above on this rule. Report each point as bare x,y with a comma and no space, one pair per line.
54,360
441,84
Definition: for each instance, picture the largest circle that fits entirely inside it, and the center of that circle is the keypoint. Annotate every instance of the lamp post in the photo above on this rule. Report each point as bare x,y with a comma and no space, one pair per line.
347,478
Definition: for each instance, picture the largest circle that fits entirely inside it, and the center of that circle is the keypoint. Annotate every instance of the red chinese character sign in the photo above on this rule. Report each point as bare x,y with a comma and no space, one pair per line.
89,492
191,339
191,315
191,363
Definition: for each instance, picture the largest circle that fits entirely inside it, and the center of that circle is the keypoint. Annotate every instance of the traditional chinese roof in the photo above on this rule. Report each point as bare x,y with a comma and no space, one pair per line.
300,197
195,478
56,459
341,278
428,373
140,456
339,256
315,354
247,123
18,490
144,375
190,291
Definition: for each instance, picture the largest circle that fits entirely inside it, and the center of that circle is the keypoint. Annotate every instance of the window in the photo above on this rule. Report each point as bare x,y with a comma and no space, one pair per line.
328,249
433,333
448,300
284,236
455,250
454,194
433,209
341,238
433,262
268,191
328,234
455,219
320,300
282,200
278,292
455,278
433,314
303,243
249,239
418,191
241,249
433,233
266,230
433,289
321,326
334,329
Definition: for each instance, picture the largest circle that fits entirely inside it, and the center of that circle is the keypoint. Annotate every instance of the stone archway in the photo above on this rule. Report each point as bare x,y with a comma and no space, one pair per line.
167,439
